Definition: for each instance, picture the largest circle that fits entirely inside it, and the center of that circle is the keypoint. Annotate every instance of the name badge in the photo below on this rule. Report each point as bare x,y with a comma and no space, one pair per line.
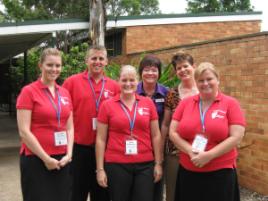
94,123
60,138
160,100
199,143
131,147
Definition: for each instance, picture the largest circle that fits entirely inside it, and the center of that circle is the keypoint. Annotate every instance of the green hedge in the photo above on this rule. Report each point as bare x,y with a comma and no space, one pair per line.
74,62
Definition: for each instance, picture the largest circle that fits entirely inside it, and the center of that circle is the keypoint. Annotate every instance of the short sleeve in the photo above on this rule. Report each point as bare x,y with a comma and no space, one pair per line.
234,114
67,85
179,110
172,99
103,113
25,99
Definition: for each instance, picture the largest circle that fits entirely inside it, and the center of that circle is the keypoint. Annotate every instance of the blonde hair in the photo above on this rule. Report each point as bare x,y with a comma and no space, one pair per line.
128,69
202,67
93,48
48,52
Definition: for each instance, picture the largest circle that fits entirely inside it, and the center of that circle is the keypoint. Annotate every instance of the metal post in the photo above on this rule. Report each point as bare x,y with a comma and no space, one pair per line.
25,68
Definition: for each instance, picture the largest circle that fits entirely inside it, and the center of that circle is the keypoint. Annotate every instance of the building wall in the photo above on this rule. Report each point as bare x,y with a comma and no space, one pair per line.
243,66
143,38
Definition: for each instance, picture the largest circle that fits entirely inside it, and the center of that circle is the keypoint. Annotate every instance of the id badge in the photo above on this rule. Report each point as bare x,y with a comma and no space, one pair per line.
160,100
199,143
60,138
94,123
131,147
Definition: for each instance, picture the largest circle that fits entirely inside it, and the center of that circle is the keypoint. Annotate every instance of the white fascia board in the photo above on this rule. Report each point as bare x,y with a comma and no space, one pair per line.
43,28
182,20
49,28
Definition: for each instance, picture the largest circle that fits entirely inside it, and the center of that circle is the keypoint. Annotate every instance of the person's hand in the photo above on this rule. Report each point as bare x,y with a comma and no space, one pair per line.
158,172
52,163
102,178
192,154
66,159
201,158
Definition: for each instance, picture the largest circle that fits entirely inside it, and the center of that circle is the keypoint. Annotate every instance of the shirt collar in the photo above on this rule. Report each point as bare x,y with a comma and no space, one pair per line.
218,97
43,86
158,89
117,97
85,75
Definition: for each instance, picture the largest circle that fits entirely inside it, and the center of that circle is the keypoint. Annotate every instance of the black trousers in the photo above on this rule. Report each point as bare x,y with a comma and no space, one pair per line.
83,173
219,185
40,184
158,190
130,182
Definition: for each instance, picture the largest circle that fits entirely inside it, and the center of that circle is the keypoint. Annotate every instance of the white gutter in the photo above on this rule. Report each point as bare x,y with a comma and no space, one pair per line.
183,20
48,28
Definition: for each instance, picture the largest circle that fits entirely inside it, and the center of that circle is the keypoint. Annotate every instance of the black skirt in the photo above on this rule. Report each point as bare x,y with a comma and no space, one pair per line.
220,185
40,184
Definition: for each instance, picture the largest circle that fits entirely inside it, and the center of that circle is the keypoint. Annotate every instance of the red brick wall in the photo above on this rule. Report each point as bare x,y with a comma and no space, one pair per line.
243,66
142,38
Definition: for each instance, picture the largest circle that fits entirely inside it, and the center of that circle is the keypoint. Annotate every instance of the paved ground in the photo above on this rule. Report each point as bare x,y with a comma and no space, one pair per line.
9,164
9,159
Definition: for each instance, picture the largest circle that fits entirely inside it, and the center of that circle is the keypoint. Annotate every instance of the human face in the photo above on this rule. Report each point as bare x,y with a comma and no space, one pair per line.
184,71
208,84
50,68
96,62
150,74
128,83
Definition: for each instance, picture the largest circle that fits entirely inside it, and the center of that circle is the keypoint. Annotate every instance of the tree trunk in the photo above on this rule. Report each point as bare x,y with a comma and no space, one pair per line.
96,22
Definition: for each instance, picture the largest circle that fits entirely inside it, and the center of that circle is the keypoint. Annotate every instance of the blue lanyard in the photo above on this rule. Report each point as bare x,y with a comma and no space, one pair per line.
202,115
97,101
131,121
56,108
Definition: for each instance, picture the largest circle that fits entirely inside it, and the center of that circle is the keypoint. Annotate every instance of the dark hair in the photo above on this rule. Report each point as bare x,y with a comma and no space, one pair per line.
150,60
182,57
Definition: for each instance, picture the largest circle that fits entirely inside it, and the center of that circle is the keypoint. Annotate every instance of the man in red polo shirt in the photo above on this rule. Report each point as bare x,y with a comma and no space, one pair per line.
88,90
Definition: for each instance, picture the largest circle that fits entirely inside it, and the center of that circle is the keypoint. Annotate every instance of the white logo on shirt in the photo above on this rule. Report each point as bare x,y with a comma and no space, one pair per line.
218,114
64,100
107,93
143,111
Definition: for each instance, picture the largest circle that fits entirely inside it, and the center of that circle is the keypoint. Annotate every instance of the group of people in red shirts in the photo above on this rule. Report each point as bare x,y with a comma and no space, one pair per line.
107,139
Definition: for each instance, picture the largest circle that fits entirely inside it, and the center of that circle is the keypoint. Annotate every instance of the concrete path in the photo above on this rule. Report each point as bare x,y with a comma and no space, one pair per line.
9,163
9,159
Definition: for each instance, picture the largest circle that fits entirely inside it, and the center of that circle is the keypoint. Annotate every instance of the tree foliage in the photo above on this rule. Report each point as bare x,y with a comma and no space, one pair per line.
2,17
74,62
198,6
21,10
132,7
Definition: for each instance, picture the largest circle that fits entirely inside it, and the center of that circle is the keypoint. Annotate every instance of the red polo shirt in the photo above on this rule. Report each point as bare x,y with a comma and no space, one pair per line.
44,120
223,112
84,104
111,113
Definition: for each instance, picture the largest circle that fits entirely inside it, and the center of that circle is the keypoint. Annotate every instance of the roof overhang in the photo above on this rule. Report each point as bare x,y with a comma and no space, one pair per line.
12,45
15,38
